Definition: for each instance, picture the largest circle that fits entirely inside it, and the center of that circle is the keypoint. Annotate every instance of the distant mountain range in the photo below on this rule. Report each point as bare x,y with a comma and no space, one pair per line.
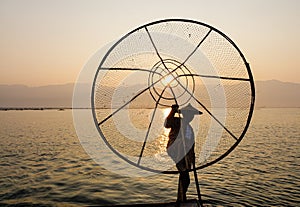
274,93
271,93
22,96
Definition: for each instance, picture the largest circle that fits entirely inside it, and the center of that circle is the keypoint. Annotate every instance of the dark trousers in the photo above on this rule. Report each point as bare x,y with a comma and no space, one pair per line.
183,184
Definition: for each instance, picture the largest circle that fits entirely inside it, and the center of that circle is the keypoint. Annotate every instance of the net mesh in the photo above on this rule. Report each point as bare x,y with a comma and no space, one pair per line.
166,63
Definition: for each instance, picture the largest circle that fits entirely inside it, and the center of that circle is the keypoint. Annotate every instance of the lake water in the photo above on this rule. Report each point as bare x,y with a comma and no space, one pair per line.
43,163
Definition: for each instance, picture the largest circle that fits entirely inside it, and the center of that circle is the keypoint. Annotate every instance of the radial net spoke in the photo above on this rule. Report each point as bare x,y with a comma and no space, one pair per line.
196,48
216,77
205,108
173,95
155,48
159,56
150,124
215,118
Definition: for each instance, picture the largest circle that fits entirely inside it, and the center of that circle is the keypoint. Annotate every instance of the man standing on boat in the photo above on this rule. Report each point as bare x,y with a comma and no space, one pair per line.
180,145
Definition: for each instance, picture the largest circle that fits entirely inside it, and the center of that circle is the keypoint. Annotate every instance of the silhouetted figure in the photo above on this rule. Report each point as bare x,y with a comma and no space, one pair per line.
180,146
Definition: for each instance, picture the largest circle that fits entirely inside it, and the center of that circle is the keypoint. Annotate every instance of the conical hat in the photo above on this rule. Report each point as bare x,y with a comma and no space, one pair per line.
191,110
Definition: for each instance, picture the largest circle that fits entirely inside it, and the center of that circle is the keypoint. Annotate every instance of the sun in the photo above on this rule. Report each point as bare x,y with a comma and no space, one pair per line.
168,80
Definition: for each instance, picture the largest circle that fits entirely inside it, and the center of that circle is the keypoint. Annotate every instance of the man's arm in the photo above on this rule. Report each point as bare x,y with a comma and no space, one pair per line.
169,122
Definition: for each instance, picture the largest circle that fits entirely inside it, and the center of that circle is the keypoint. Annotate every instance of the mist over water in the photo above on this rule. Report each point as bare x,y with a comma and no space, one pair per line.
42,162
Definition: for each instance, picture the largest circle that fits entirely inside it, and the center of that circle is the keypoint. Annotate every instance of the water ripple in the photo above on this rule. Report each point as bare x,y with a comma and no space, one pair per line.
45,165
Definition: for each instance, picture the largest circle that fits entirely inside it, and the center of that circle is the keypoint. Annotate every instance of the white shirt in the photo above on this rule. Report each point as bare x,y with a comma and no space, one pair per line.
188,132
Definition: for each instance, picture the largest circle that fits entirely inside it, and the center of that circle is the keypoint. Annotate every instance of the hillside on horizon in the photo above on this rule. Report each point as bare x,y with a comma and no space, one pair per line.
270,93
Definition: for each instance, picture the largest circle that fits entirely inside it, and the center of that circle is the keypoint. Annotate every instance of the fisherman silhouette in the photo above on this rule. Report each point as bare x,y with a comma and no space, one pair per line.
180,145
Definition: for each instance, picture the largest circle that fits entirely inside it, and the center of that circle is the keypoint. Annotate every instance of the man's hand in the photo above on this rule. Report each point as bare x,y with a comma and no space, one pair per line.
175,107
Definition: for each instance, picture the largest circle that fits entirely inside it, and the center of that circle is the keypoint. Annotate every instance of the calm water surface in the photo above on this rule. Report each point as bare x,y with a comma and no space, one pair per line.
43,163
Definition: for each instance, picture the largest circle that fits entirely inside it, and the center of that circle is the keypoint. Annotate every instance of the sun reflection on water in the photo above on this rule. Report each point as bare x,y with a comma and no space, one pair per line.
163,139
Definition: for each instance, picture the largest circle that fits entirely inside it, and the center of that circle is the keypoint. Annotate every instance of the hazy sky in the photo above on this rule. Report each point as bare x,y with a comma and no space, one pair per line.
48,41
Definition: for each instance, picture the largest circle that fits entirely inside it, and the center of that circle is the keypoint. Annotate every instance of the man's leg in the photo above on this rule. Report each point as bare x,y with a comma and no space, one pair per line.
185,183
180,191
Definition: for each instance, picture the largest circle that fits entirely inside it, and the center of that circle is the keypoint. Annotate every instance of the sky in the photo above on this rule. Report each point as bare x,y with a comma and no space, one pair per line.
46,42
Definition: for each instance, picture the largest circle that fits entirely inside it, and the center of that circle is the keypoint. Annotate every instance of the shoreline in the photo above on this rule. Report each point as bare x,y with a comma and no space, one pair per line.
70,108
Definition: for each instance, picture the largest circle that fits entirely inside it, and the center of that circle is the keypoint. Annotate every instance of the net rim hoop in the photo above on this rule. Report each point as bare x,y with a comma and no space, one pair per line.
252,86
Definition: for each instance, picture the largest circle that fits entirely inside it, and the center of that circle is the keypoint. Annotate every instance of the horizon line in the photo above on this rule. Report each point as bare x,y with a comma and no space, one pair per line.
69,83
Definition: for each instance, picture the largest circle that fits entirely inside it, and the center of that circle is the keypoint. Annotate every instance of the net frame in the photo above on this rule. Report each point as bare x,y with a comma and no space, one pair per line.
249,79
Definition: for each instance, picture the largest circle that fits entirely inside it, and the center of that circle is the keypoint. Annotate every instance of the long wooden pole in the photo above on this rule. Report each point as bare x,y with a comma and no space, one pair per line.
197,184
